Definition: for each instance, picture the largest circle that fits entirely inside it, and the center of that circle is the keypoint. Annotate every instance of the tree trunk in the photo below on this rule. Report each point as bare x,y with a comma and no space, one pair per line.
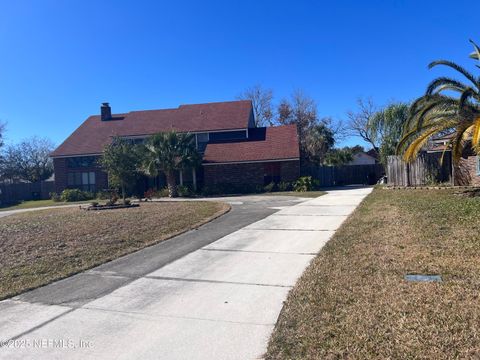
123,193
172,184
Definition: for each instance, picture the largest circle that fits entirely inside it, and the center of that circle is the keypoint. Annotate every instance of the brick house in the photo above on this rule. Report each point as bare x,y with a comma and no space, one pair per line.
234,151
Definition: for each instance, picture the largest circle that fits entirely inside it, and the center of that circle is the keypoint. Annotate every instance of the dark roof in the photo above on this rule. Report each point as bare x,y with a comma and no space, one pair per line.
94,134
272,143
372,153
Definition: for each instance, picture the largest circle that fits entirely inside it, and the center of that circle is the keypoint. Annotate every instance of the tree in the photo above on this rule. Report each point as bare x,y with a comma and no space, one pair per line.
28,160
359,122
170,152
2,132
448,106
342,156
262,104
320,140
380,127
315,136
387,125
121,161
337,157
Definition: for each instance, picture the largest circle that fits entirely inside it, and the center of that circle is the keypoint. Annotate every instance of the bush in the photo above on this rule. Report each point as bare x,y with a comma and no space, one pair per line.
304,183
185,191
162,192
103,195
54,196
285,186
270,187
149,194
152,193
69,195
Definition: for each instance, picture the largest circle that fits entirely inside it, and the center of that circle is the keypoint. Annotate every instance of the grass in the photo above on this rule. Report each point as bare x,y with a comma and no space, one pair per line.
39,247
353,301
39,203
306,194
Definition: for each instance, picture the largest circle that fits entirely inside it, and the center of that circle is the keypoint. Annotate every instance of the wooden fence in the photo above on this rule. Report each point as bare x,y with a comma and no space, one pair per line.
10,193
427,169
346,175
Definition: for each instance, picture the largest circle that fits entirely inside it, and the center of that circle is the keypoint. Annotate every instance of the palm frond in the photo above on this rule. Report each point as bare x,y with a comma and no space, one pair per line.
476,53
444,83
476,134
458,68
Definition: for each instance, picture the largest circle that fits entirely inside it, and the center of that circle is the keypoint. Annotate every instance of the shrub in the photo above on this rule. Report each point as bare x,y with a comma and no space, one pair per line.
113,198
94,203
304,183
103,195
162,192
270,187
69,195
285,186
54,196
185,191
149,194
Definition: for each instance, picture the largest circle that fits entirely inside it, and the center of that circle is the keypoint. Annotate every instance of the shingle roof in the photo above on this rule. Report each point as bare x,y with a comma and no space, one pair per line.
94,134
272,143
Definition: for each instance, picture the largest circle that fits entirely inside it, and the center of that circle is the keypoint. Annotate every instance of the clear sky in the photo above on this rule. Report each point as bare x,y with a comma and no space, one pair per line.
60,59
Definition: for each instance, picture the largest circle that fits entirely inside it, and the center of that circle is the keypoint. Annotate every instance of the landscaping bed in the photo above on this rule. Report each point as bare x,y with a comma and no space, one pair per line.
42,246
353,300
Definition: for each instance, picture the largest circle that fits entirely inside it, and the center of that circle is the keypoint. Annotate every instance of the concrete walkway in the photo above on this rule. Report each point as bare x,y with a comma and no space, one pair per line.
218,302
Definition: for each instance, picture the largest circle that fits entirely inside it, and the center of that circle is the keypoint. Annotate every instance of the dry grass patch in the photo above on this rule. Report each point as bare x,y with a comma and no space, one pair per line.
352,302
41,246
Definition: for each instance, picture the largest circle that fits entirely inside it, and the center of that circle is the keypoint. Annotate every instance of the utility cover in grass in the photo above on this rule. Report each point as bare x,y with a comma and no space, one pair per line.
423,278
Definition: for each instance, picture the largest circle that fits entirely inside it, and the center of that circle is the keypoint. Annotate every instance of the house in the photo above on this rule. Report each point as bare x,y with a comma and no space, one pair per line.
363,158
234,151
467,171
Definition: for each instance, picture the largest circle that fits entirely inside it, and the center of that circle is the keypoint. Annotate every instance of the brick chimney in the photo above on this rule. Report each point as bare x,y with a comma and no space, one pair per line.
105,112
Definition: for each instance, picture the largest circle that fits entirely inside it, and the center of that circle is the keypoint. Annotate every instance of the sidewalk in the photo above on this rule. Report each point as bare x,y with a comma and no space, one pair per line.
218,302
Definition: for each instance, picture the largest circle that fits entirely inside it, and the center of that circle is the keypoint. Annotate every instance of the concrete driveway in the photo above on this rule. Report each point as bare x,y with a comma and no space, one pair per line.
214,293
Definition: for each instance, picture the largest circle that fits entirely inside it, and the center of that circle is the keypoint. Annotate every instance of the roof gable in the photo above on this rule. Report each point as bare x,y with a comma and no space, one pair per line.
263,144
92,136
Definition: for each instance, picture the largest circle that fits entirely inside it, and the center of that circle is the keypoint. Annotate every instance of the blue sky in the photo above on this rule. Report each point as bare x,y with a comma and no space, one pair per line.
60,59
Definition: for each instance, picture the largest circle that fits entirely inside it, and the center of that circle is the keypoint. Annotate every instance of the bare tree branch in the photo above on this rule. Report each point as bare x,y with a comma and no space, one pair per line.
262,104
359,122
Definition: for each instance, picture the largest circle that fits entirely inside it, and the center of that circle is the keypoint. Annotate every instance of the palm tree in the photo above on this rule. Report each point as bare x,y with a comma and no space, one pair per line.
448,106
170,152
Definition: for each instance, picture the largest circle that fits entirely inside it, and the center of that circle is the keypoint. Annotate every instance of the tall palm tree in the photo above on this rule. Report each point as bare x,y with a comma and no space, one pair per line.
170,152
448,106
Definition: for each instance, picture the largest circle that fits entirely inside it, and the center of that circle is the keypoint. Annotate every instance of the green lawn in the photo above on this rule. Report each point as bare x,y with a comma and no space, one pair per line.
39,203
353,302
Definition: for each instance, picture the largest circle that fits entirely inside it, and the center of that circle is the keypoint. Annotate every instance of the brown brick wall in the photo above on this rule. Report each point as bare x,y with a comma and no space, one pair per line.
466,172
61,170
248,173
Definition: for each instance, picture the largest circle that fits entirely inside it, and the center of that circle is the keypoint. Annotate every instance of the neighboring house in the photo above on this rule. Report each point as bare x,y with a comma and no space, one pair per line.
363,158
467,172
234,150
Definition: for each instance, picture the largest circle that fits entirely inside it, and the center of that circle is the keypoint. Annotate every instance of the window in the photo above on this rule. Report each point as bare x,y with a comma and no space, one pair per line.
81,180
228,135
478,165
202,140
81,162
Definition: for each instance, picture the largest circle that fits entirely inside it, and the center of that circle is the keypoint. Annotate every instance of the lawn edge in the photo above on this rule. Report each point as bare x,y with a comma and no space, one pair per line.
226,208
